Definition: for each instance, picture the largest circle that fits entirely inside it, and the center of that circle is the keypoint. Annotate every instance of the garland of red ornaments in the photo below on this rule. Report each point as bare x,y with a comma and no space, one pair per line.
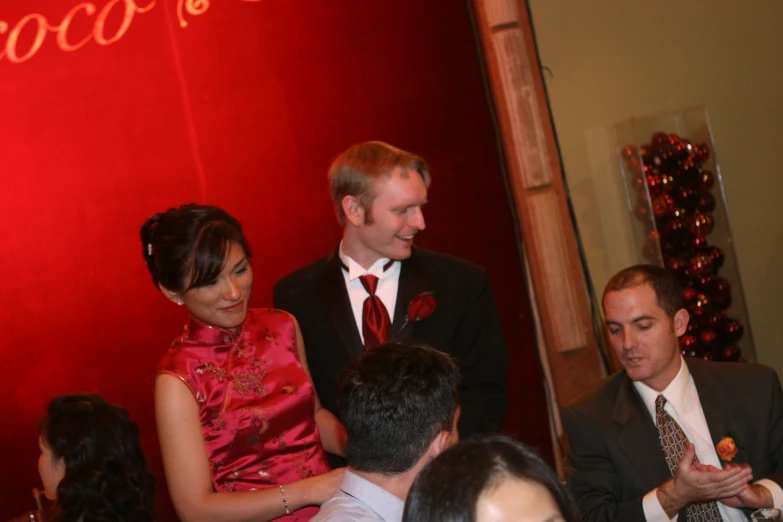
679,197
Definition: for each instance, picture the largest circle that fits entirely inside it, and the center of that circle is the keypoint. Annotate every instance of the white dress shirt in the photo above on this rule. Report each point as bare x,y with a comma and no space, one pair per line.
682,403
359,500
388,282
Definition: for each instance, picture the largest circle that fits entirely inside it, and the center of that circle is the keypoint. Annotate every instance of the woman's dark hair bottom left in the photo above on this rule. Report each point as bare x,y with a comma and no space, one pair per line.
106,476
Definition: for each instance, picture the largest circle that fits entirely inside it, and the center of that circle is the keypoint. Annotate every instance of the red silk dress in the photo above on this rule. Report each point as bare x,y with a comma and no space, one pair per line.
256,402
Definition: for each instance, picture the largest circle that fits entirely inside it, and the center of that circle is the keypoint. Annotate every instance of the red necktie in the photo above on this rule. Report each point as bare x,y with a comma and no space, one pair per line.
375,318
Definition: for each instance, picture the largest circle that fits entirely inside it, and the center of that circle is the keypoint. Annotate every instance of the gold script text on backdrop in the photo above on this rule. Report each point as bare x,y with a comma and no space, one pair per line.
42,26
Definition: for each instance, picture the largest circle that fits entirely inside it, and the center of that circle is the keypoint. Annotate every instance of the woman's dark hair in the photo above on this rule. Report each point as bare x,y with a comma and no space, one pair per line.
190,241
449,487
106,477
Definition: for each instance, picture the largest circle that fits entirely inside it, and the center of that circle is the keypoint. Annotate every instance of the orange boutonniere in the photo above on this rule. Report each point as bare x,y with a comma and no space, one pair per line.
727,449
421,307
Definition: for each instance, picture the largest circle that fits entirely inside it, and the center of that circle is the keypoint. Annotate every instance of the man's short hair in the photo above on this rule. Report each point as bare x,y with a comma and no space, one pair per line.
394,400
668,290
354,172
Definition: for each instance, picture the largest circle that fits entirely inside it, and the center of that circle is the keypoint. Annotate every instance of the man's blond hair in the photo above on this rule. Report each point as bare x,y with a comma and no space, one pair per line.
355,171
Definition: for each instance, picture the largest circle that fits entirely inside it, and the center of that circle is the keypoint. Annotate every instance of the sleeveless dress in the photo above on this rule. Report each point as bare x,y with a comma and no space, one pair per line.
256,402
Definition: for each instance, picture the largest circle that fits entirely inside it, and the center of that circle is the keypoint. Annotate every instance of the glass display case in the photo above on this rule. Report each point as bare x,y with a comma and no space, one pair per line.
678,211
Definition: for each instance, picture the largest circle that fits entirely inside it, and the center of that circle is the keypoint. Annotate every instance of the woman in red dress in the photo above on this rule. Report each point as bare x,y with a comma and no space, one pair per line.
241,429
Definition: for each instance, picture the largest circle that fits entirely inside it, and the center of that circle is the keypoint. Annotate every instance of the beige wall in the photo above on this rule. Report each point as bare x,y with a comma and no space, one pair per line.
608,60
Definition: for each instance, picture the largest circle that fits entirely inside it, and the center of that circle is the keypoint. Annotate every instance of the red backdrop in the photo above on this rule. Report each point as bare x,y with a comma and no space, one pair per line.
112,112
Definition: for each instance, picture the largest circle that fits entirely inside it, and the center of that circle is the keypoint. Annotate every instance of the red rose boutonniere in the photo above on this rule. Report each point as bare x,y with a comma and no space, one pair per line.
727,449
421,307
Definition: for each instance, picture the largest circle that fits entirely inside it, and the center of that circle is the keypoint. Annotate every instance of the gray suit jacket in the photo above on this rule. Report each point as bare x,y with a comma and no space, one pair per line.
614,455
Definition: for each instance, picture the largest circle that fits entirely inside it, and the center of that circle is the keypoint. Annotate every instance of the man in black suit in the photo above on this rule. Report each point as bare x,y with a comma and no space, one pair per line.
378,193
668,438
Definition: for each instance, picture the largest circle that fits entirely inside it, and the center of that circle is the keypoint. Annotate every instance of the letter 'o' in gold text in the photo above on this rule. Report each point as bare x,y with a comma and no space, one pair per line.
13,37
130,10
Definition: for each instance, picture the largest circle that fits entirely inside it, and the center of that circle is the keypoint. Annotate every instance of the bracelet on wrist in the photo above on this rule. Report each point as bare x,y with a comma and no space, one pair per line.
285,503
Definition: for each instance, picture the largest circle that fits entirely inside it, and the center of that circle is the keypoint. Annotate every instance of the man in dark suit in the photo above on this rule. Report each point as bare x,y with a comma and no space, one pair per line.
668,438
360,295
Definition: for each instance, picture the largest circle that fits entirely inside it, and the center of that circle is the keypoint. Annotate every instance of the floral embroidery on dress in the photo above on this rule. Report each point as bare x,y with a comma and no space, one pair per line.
216,466
217,422
280,441
244,347
302,469
270,336
288,388
260,420
250,380
216,371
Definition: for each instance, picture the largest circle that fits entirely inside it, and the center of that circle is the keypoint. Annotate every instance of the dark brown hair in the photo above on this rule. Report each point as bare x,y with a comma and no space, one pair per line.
189,242
394,400
448,488
106,477
668,291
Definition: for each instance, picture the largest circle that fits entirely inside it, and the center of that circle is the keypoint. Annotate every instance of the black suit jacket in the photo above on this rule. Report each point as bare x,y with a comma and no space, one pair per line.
614,455
464,325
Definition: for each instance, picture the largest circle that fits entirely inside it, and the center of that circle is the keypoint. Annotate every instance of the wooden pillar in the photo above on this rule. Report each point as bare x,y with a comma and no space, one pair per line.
536,181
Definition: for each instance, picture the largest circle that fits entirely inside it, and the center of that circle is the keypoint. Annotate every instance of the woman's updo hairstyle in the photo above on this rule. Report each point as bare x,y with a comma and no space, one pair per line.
189,243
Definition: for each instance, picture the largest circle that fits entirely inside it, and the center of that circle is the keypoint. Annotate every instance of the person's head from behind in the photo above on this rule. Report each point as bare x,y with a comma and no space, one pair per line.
493,479
198,256
645,316
399,406
378,193
91,462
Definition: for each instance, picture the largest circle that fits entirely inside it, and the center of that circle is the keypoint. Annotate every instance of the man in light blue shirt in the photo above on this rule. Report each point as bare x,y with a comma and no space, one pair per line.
399,406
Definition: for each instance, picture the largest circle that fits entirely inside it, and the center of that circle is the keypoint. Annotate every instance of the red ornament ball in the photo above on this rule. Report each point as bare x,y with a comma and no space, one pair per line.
700,266
652,247
689,345
730,353
720,291
700,152
717,256
663,206
688,198
714,320
659,138
733,330
693,327
701,223
700,305
642,212
678,266
706,180
699,242
706,202
633,165
645,151
709,339
689,172
677,234
689,293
